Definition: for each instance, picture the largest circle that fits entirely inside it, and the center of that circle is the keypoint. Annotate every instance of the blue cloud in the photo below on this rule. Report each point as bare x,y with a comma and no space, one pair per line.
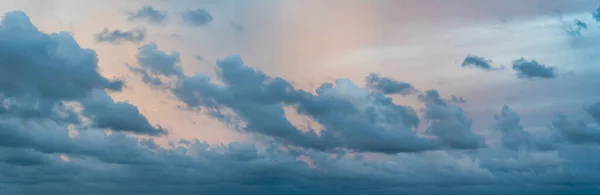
41,72
596,15
117,36
533,69
197,17
351,117
472,61
388,86
575,28
148,13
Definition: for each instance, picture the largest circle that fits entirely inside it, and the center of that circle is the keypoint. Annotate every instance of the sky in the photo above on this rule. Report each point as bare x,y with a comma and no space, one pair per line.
306,97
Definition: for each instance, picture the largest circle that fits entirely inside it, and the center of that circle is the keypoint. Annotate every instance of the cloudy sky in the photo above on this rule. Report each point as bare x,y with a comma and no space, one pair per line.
299,97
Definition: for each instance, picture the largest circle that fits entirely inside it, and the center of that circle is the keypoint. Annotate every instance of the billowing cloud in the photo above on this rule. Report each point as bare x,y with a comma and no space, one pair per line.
514,137
117,36
197,17
533,69
148,13
351,117
388,86
42,76
448,122
473,61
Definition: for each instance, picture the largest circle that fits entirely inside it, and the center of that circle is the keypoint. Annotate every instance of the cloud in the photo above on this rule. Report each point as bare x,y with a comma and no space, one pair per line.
448,122
351,117
457,100
117,36
197,17
532,69
514,137
148,13
575,27
596,15
472,61
154,63
388,86
594,111
44,75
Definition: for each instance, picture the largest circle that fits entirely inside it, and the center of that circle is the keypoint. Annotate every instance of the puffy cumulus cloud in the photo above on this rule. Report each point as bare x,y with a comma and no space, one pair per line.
448,122
42,152
514,137
197,17
45,76
117,36
533,69
388,86
473,61
154,63
351,117
573,130
149,14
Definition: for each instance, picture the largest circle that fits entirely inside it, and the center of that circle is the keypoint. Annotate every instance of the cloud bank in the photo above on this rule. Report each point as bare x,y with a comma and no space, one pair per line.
56,108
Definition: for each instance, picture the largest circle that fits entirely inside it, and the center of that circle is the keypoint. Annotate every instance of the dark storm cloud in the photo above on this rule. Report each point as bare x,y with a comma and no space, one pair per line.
40,72
388,86
117,36
197,17
148,13
533,69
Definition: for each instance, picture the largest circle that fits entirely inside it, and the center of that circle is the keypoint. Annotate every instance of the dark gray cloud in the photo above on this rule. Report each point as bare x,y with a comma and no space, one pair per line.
533,69
197,17
42,74
388,86
148,13
117,36
472,61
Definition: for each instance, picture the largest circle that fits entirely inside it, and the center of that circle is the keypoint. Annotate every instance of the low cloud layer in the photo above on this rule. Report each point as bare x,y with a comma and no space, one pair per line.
57,107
